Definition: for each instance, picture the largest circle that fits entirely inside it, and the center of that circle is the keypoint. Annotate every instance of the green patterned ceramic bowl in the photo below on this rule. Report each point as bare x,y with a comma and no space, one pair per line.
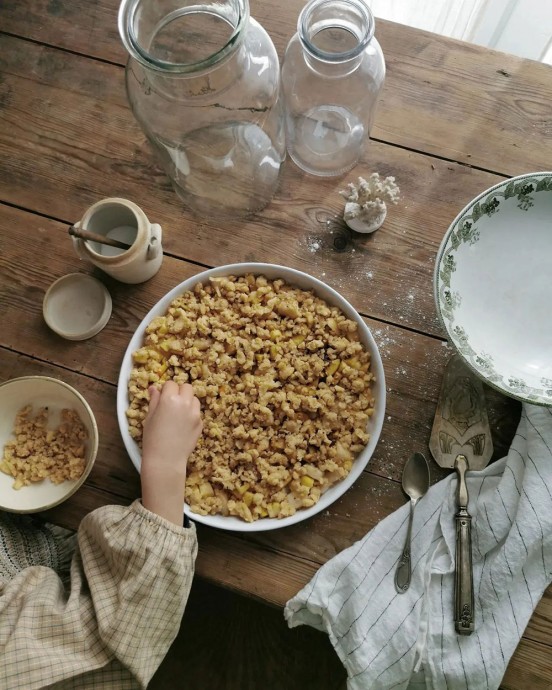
493,286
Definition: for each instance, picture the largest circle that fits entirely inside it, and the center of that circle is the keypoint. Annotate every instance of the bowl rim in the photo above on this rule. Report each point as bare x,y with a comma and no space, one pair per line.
94,450
287,274
436,284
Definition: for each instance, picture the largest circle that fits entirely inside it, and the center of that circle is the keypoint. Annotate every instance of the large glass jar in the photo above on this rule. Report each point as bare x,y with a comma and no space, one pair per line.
203,82
332,74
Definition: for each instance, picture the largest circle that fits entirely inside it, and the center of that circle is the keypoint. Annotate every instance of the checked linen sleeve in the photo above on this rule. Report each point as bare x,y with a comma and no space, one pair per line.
130,579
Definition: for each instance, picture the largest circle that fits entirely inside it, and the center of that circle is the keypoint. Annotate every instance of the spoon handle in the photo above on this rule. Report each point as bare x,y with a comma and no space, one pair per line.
96,237
403,572
463,578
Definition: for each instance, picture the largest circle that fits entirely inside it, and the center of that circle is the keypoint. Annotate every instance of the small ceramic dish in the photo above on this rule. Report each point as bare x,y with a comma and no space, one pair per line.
42,391
77,306
300,280
493,289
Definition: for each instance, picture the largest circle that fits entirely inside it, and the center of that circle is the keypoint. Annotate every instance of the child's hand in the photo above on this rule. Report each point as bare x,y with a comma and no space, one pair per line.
171,430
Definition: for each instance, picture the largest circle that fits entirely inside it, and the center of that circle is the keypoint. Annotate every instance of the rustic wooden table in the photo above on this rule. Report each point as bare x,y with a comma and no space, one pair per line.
453,120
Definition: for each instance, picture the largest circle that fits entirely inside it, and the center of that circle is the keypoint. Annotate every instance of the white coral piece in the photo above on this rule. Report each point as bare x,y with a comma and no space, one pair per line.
366,205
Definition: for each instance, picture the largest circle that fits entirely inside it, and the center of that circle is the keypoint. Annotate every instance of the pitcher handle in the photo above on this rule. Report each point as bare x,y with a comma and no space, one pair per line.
154,246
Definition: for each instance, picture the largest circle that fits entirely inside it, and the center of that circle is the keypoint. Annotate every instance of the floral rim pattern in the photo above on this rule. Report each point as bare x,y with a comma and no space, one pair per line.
464,230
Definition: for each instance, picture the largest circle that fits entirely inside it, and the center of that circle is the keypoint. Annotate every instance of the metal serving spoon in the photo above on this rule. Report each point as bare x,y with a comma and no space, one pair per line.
415,483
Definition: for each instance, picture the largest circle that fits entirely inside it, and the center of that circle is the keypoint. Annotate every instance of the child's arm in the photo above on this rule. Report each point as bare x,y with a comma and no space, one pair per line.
130,577
171,431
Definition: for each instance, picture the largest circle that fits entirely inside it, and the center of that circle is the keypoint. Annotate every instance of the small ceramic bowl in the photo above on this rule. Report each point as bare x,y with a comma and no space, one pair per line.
42,391
77,306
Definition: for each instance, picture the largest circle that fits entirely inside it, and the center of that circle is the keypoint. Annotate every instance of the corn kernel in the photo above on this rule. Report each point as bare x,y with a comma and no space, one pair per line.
140,356
273,509
206,490
333,367
341,452
248,498
243,488
287,309
307,481
6,467
193,479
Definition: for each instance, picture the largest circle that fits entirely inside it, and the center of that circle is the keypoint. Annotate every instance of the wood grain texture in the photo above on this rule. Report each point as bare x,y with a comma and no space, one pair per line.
68,138
271,566
230,642
413,362
89,28
79,143
464,102
530,667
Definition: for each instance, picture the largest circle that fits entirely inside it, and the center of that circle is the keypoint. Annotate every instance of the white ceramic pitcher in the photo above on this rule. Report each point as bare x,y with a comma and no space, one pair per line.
123,220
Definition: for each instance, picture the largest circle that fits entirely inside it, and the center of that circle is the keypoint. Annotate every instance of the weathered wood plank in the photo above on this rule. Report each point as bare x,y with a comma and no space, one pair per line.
113,478
205,655
413,362
202,638
254,566
530,667
270,566
441,96
89,28
273,567
466,103
311,663
69,140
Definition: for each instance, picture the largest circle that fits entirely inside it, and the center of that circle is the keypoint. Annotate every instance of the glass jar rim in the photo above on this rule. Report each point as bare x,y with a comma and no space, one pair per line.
127,12
306,15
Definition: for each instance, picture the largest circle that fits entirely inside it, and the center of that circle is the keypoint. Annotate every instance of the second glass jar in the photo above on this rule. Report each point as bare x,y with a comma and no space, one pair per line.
332,75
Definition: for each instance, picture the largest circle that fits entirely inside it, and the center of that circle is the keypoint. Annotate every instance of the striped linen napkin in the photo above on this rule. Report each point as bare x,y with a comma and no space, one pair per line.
388,640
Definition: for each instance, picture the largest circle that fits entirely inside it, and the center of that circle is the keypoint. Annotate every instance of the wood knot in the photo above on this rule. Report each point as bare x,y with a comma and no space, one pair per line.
342,238
334,235
340,242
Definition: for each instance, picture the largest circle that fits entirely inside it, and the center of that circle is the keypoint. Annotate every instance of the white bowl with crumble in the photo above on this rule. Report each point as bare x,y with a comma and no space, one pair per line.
48,443
291,386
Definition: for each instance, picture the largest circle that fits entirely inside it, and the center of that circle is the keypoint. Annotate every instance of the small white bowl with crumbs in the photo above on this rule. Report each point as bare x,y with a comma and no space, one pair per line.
48,443
291,387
